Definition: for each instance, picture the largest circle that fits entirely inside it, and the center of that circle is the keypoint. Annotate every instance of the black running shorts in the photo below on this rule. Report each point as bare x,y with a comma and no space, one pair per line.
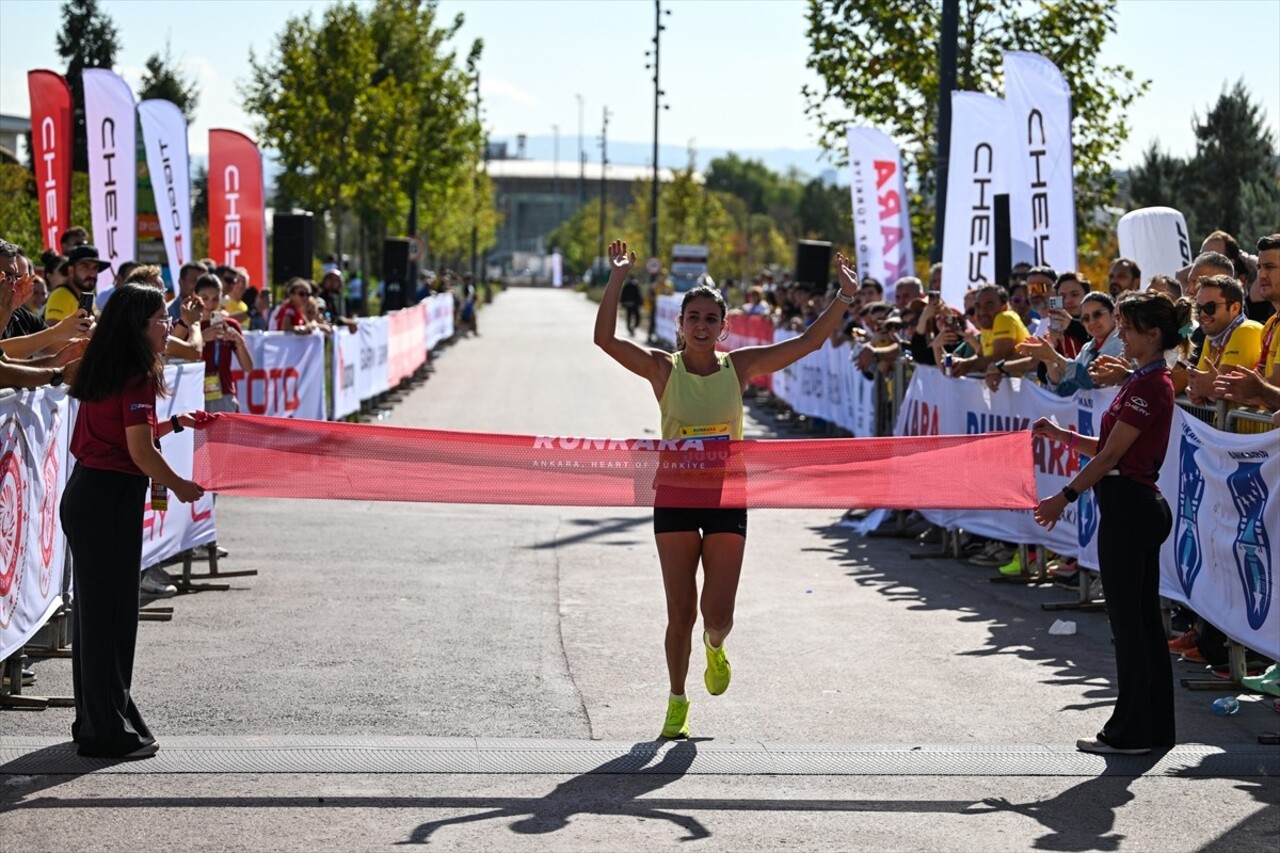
708,521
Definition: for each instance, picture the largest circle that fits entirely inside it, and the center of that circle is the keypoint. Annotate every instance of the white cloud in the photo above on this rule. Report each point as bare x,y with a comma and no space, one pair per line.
504,90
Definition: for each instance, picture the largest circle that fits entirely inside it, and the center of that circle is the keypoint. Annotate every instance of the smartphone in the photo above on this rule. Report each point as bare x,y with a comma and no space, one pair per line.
216,319
1055,303
934,294
86,303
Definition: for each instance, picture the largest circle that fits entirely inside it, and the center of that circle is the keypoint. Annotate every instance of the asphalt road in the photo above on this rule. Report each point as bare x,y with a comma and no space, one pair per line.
417,621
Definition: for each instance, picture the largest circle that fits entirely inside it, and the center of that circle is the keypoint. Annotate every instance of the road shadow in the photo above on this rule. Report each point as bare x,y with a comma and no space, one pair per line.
596,528
584,794
25,775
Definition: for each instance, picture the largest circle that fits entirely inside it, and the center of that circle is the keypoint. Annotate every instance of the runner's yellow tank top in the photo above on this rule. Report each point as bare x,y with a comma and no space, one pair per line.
696,406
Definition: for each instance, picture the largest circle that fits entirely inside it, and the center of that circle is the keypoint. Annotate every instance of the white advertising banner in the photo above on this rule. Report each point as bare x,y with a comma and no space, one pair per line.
939,405
978,170
1224,550
1222,554
375,333
1042,210
287,380
111,124
164,132
826,384
33,470
439,319
881,221
1156,239
668,308
181,526
346,372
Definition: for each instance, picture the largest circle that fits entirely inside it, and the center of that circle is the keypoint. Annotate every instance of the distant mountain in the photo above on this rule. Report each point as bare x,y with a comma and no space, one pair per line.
808,160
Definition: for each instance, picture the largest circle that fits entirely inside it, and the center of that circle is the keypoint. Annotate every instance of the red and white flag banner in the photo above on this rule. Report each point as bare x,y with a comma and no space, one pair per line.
164,131
882,223
111,124
237,204
271,457
51,152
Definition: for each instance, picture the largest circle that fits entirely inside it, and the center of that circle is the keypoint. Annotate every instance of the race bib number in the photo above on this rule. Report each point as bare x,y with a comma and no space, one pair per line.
713,432
212,388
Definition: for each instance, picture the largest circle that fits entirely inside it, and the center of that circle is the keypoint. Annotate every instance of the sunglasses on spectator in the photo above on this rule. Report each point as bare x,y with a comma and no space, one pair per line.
1208,309
1096,315
1018,300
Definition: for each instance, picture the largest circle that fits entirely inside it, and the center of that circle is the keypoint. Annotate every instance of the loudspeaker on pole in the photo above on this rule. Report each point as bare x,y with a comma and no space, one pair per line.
813,263
395,273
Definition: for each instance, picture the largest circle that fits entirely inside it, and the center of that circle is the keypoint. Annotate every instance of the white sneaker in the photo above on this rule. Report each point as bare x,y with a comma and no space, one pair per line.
156,582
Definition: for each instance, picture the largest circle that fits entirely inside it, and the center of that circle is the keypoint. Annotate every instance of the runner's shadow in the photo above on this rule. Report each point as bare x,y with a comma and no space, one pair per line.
597,528
29,773
1082,817
589,794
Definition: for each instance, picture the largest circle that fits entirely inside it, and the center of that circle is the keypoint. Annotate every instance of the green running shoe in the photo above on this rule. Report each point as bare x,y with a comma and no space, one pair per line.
718,672
677,724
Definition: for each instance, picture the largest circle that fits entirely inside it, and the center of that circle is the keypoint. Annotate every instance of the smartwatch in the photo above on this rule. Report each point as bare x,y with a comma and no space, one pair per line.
56,378
1000,367
1070,494
176,424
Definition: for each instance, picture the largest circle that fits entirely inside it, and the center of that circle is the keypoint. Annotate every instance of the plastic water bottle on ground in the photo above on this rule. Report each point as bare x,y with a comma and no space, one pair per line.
1225,706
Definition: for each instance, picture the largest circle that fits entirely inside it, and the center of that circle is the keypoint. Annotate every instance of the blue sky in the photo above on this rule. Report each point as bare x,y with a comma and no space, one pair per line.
733,70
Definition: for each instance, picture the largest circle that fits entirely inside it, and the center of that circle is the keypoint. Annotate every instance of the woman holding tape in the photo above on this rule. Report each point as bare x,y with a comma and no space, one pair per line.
699,393
115,442
1134,522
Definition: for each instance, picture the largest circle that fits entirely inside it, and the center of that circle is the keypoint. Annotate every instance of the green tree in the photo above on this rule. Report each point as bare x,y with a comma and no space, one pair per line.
1234,168
877,61
163,79
1157,180
88,39
20,213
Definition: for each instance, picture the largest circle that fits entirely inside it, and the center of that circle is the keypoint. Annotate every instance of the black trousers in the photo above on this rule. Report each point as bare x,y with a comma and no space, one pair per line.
1134,522
102,515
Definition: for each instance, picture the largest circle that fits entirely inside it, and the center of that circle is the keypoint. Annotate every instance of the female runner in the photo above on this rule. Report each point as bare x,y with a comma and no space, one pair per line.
699,393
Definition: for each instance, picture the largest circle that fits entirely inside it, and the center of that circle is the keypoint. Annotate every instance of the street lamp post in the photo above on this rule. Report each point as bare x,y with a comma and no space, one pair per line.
582,160
604,164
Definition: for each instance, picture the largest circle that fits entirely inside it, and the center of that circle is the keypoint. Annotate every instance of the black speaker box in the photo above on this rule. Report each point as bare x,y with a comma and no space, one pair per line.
292,246
1004,242
395,273
813,263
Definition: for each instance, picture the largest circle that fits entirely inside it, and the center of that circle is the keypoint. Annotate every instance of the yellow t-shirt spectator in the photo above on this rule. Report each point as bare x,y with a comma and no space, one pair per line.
62,303
235,307
1241,349
1268,370
1007,326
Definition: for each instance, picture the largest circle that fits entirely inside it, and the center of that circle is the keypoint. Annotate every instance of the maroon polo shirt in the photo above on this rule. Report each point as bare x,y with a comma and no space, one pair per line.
1145,402
99,438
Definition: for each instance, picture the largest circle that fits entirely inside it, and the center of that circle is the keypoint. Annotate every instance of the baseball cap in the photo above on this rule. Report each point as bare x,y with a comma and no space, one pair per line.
85,252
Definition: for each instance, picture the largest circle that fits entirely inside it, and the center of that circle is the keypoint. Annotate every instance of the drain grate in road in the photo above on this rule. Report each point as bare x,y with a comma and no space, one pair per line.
296,754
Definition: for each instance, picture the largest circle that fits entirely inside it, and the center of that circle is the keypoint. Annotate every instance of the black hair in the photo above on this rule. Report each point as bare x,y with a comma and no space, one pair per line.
1174,286
119,350
1269,242
1217,260
1149,309
1130,265
1229,244
1230,286
1099,296
9,250
989,287
1046,271
701,291
208,281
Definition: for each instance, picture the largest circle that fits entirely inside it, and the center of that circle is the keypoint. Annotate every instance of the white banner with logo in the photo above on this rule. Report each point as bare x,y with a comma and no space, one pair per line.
826,384
164,132
375,334
1223,553
940,405
881,221
978,170
180,526
287,380
111,128
347,372
33,470
1155,238
439,319
668,308
1042,210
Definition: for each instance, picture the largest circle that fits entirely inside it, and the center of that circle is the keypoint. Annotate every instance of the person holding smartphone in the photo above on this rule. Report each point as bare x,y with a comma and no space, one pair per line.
83,267
1134,521
222,336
